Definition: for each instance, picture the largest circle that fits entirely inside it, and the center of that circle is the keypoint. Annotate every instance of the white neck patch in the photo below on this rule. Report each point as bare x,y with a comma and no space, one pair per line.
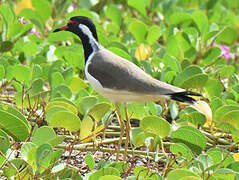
87,32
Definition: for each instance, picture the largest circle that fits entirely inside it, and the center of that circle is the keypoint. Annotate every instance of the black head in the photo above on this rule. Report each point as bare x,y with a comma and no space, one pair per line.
81,26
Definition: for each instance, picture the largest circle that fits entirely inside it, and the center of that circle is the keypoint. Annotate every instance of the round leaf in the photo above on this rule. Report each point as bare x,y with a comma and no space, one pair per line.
191,137
139,30
14,126
66,120
180,173
155,125
43,135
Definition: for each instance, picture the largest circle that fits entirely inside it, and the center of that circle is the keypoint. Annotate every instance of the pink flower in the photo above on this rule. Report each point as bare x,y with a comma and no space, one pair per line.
33,30
224,51
22,21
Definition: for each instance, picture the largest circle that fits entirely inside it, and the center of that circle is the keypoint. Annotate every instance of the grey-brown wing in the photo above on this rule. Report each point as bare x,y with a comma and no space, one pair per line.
114,72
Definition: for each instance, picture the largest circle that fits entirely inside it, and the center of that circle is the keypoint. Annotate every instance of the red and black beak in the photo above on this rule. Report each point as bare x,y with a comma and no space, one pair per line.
63,28
66,27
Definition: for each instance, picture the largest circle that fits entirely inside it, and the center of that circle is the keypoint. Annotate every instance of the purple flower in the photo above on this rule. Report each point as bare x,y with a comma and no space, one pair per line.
224,51
33,30
22,21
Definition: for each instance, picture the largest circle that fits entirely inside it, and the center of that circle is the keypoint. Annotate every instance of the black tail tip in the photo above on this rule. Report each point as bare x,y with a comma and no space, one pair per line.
184,96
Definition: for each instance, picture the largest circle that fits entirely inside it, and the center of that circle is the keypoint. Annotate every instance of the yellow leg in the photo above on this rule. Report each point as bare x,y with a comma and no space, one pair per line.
122,126
127,129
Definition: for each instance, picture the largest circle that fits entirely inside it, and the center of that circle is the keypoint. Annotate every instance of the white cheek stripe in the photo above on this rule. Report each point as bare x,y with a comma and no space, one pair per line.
86,30
94,44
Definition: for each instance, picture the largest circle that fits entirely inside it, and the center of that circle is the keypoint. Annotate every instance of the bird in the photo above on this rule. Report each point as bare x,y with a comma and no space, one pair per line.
118,79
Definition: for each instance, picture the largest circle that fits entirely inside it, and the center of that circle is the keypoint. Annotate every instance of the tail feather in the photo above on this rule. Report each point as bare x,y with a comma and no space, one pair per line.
184,96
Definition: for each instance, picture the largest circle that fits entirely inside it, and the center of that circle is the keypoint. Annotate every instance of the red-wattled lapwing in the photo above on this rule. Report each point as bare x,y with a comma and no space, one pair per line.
116,78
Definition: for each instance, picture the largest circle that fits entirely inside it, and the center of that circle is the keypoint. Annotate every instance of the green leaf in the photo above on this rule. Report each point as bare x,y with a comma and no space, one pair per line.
216,103
17,29
171,62
66,120
58,168
68,74
181,174
214,88
200,19
141,171
52,110
65,100
110,177
155,125
14,126
195,118
73,58
36,72
153,109
12,170
114,14
228,35
137,137
206,160
69,106
173,47
6,46
103,172
7,13
86,103
98,111
43,135
60,36
30,48
230,121
191,137
77,84
15,112
191,77
56,79
22,73
234,166
45,12
82,12
173,109
120,52
184,42
136,110
154,32
86,128
36,87
90,161
227,71
43,157
218,155
181,150
120,166
33,16
4,142
211,55
179,17
139,30
26,148
222,111
139,5
56,140
63,90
